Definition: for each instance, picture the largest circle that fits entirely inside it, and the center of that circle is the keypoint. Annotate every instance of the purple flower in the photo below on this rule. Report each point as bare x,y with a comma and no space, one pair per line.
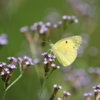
3,39
11,66
24,29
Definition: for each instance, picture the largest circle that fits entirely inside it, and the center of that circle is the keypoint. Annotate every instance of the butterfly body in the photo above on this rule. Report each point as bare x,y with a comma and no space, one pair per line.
66,49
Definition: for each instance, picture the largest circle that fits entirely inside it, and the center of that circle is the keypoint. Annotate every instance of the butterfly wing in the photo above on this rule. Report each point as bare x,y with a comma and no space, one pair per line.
66,49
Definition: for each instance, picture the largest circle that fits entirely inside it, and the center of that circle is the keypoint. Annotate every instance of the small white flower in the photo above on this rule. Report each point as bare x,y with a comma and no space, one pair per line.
45,62
25,57
24,29
60,22
59,99
87,94
11,66
45,29
50,59
97,90
55,25
45,58
40,23
49,55
57,86
20,59
48,24
68,17
76,20
98,85
58,67
12,58
90,94
53,65
67,93
3,63
60,87
7,70
54,57
36,61
28,63
3,39
34,26
43,54
2,73
41,31
64,17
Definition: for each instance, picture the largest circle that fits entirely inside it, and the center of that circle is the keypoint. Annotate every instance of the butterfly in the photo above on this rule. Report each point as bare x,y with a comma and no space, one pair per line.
66,49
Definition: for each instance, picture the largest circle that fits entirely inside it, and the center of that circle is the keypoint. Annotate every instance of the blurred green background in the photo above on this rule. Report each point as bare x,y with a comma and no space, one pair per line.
15,14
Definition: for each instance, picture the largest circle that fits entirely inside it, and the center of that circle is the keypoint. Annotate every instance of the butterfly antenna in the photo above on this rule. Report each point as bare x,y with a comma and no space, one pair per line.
45,41
50,42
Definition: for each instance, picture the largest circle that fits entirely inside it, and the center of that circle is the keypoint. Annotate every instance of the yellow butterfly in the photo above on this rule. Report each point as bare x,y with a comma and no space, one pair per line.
66,49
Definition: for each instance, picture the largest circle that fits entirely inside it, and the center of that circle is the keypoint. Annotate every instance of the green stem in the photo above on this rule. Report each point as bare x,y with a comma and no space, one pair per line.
36,69
42,88
14,81
49,74
12,84
4,95
33,51
20,68
45,82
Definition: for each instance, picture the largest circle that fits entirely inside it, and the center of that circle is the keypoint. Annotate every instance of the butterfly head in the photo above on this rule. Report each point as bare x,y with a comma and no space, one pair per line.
51,44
